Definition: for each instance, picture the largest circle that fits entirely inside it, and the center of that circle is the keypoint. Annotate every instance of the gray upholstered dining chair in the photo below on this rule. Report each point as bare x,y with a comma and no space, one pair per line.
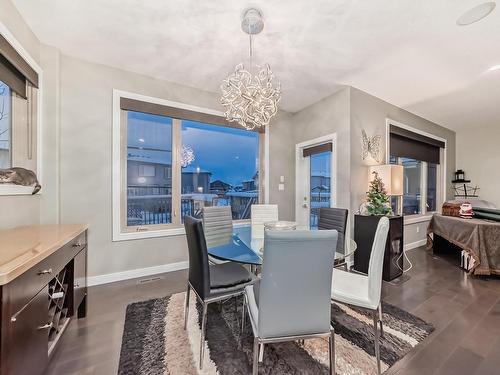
292,300
365,290
218,227
334,218
210,283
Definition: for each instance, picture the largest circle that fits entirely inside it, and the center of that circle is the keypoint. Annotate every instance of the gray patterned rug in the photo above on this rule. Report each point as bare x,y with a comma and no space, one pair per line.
154,341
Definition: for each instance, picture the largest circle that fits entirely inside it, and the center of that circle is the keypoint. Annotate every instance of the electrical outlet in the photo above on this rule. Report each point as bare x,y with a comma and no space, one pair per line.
281,187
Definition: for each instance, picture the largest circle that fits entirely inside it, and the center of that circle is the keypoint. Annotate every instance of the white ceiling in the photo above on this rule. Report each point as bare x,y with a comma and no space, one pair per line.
407,52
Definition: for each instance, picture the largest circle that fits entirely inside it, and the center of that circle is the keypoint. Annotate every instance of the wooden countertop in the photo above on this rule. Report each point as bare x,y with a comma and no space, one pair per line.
23,247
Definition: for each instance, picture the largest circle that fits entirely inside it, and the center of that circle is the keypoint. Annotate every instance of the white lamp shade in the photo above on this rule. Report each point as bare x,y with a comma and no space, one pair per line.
391,175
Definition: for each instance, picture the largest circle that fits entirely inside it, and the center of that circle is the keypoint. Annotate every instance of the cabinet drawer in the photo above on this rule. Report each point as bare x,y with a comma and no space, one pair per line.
28,337
26,286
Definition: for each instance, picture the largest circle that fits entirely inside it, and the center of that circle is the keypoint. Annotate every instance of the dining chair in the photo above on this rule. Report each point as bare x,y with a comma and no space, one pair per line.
210,283
261,214
365,290
218,227
334,218
292,300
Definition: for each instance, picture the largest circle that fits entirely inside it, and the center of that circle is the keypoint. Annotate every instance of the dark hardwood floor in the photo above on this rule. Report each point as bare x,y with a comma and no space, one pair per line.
464,310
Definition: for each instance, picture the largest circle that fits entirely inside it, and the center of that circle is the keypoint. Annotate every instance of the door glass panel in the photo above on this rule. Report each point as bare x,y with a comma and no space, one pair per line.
149,169
320,185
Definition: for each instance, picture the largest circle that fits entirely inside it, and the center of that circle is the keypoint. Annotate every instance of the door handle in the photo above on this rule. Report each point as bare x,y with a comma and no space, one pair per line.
44,272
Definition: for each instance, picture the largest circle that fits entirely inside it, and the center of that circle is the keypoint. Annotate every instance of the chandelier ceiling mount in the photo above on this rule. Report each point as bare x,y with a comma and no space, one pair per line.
250,96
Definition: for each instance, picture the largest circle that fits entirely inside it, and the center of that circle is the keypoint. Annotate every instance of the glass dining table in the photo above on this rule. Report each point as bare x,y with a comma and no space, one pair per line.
244,249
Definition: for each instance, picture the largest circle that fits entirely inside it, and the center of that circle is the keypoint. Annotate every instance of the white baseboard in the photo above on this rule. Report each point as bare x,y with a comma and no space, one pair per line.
133,274
414,245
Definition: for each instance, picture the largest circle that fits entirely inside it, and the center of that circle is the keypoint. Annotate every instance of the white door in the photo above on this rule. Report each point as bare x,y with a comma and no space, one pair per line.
315,179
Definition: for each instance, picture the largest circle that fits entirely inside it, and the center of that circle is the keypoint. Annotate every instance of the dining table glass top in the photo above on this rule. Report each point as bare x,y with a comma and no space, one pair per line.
242,248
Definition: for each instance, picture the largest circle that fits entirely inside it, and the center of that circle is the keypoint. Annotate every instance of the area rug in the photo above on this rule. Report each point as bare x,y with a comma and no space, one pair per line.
155,342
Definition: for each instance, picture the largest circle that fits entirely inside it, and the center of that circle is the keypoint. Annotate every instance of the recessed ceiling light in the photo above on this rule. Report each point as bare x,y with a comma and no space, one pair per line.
476,14
494,67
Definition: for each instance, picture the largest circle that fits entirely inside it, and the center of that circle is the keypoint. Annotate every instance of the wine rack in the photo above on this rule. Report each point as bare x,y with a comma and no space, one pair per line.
59,305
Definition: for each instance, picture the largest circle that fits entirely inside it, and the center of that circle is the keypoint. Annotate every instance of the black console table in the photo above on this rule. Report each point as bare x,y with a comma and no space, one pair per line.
364,233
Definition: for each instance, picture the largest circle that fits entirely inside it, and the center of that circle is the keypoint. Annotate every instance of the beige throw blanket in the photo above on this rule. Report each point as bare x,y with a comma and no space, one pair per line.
480,238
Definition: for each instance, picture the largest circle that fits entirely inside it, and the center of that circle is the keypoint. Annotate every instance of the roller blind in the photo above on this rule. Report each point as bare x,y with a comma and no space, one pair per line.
178,113
319,149
405,143
14,70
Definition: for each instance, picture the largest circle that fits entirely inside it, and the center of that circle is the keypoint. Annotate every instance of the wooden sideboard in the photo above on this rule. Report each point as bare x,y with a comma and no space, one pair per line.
43,284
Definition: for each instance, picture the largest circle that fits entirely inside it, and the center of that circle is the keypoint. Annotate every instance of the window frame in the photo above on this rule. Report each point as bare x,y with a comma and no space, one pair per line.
424,214
36,124
123,232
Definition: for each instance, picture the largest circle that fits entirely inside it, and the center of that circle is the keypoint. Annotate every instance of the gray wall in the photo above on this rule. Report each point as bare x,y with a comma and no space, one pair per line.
478,156
329,115
370,113
282,163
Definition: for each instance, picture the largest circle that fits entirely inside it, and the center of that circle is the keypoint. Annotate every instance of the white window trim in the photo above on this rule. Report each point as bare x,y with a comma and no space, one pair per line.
424,216
118,234
27,190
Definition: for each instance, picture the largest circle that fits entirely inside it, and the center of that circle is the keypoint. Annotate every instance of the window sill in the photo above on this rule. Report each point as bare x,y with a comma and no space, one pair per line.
16,190
413,219
177,231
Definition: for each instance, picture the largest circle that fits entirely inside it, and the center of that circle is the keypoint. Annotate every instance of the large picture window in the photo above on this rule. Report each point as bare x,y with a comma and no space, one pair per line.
421,158
175,162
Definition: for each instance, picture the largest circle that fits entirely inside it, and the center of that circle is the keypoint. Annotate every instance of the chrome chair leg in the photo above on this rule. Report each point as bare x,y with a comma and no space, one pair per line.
331,346
243,313
202,340
186,307
380,320
261,353
255,367
377,339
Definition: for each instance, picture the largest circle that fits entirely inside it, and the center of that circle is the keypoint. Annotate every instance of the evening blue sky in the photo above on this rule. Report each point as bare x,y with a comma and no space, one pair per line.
230,154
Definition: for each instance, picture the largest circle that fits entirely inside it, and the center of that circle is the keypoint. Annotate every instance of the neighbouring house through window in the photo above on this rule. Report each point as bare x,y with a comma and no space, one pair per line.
176,162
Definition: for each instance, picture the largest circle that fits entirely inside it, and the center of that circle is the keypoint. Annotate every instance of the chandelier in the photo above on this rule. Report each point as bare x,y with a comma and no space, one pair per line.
251,100
187,156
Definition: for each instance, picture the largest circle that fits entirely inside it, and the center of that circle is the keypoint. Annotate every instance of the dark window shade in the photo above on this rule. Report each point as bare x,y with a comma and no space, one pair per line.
319,149
405,143
396,130
18,66
12,77
178,113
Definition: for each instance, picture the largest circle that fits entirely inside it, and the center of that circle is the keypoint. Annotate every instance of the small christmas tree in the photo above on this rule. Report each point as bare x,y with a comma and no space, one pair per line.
377,198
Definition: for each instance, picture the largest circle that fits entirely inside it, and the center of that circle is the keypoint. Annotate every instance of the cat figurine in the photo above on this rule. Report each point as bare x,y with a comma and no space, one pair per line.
20,176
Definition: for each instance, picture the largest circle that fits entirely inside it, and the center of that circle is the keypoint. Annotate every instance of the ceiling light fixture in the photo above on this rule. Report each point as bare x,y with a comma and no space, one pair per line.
476,14
251,97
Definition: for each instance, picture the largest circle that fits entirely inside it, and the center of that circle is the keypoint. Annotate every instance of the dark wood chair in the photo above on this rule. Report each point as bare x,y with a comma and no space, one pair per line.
210,283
